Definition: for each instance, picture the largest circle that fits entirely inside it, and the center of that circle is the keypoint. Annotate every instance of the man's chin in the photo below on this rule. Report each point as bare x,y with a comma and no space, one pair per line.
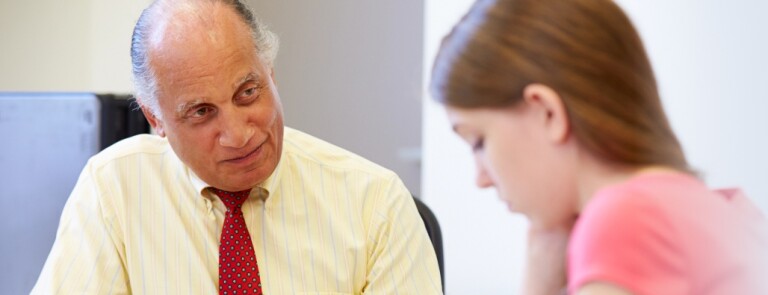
244,180
234,178
235,187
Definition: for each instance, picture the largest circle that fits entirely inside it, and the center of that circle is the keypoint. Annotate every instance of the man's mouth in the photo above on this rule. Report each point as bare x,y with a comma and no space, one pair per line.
245,157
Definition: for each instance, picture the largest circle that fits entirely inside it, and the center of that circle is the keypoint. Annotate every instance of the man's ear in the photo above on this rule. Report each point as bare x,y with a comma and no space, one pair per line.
552,111
155,122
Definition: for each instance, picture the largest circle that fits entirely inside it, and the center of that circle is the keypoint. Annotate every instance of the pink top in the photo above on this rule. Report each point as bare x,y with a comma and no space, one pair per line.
670,234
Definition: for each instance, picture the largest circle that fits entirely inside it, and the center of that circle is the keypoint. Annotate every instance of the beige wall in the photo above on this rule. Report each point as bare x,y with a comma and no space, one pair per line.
111,28
350,72
82,45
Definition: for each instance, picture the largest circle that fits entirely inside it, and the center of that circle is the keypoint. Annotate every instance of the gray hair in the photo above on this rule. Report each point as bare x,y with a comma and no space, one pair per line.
144,79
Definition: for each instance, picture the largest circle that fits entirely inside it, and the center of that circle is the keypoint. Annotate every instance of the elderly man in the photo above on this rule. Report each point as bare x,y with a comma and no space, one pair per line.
226,199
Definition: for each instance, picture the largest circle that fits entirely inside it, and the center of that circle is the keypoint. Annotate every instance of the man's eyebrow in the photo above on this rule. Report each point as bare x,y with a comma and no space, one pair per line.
250,77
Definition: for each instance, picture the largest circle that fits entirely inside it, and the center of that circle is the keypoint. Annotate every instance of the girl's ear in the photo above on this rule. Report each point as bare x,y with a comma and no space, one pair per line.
550,109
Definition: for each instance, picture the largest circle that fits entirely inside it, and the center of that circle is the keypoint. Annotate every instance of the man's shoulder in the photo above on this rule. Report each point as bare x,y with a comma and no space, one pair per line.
307,148
138,145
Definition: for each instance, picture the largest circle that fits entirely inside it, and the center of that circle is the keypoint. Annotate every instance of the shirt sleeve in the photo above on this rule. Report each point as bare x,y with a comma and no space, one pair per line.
85,257
402,259
625,239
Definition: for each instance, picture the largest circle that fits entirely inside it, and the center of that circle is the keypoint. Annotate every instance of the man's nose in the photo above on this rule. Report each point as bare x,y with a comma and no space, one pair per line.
236,132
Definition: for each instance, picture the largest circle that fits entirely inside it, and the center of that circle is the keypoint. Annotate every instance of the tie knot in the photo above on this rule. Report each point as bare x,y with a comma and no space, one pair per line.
232,200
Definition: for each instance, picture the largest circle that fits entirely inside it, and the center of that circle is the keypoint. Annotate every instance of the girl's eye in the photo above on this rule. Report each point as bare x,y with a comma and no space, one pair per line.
478,145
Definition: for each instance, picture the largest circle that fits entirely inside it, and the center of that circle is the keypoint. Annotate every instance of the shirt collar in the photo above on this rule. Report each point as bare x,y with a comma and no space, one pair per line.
263,190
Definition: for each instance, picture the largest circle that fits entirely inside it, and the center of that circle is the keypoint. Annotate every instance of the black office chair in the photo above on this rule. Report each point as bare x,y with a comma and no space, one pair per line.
433,229
120,118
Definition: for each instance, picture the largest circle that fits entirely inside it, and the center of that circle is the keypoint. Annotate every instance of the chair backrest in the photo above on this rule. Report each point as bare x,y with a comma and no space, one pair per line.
433,229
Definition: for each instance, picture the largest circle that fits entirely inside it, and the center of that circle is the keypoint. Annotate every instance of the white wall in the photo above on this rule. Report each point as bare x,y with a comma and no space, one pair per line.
710,61
711,64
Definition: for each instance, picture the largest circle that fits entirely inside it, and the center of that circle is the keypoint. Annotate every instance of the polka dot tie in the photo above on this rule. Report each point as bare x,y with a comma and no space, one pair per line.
238,270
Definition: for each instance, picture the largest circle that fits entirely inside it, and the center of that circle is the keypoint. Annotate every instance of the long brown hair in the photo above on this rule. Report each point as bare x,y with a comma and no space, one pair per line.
586,50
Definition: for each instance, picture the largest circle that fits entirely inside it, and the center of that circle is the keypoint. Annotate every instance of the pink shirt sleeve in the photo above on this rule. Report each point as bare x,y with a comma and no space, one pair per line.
623,238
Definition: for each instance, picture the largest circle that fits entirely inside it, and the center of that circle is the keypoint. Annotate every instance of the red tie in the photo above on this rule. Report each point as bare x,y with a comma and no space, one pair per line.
238,270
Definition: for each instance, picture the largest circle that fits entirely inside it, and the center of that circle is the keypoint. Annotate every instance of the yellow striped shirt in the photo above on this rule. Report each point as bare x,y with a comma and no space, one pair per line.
325,222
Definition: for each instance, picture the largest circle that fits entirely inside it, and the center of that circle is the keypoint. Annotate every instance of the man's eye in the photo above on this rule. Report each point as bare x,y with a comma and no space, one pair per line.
248,92
201,112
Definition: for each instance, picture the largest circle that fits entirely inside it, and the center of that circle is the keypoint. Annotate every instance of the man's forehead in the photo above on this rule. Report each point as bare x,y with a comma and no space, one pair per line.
182,39
181,23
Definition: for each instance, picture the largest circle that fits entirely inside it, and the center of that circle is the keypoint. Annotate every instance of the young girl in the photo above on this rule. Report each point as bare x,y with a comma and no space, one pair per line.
560,106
